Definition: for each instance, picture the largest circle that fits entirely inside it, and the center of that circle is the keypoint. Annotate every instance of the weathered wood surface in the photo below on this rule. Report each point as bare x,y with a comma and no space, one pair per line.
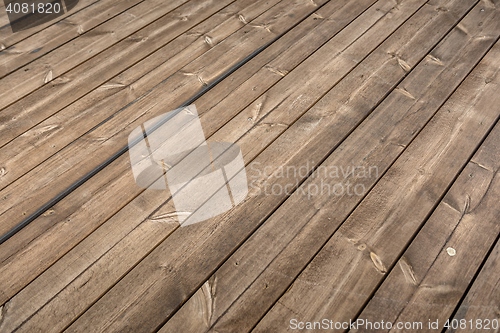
348,269
430,278
224,234
287,60
405,89
249,277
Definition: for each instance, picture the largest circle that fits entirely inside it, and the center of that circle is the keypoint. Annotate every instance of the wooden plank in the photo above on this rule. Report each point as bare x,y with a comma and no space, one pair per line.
8,38
481,305
341,278
184,86
45,41
430,278
121,31
249,282
346,42
26,152
290,53
199,249
267,56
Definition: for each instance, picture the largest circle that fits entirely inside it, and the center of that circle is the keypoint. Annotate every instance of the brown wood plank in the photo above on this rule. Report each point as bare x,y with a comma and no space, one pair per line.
273,53
286,56
46,139
430,278
54,36
481,306
121,31
8,38
181,244
290,54
341,278
249,282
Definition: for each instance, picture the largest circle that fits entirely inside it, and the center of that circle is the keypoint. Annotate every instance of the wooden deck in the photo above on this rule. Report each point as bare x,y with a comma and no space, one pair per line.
369,130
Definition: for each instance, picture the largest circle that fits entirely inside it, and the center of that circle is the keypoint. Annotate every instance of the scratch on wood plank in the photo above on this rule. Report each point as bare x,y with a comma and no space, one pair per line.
462,28
435,59
209,41
48,77
408,272
3,172
404,65
111,85
49,212
379,265
317,16
276,71
405,92
242,19
45,129
262,26
80,30
205,300
2,314
169,217
481,166
273,124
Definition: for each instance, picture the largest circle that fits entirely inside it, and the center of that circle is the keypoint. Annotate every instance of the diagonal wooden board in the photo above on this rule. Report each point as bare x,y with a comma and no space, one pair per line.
53,37
286,59
349,268
9,39
240,283
481,304
431,276
43,141
176,245
362,41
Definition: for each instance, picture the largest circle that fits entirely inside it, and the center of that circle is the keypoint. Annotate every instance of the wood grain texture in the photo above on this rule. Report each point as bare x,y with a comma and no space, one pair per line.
481,305
344,274
432,275
9,39
250,281
56,35
176,245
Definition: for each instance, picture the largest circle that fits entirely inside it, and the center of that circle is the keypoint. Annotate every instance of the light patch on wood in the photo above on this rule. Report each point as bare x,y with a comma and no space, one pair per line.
3,172
462,28
405,92
45,129
404,65
48,77
209,41
112,85
80,30
242,19
317,16
407,271
451,251
172,217
2,47
434,59
276,71
379,265
49,212
262,26
204,300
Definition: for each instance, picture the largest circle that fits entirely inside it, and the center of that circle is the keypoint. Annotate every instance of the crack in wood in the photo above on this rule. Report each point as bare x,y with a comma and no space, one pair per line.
408,272
435,59
377,261
48,77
